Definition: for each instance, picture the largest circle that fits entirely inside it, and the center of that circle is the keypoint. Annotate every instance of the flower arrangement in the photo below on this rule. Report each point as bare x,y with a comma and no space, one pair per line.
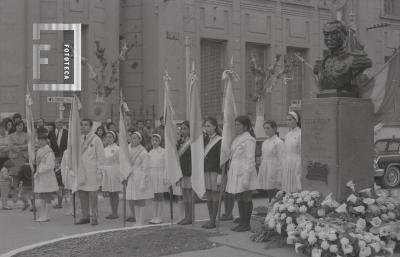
366,224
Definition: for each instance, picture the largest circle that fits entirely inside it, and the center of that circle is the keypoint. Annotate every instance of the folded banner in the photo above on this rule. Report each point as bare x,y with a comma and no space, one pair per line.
30,128
173,168
74,145
196,137
125,166
230,113
383,88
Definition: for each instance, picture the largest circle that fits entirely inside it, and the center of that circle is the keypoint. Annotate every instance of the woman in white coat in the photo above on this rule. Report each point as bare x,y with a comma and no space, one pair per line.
138,180
270,172
45,182
111,176
242,175
291,179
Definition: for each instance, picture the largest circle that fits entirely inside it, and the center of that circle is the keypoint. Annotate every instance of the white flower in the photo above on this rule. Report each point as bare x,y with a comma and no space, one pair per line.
360,209
351,185
304,234
310,203
347,249
281,207
322,235
367,238
307,198
365,251
374,209
325,245
383,208
291,201
380,200
279,228
271,224
321,212
297,247
333,248
290,228
275,207
315,194
312,240
361,243
352,198
291,208
289,220
300,219
391,206
332,237
316,252
344,241
317,228
303,209
368,201
277,215
376,246
283,216
299,200
384,217
341,208
391,215
361,224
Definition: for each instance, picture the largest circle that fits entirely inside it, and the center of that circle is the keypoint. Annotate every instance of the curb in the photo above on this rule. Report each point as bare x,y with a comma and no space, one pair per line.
33,246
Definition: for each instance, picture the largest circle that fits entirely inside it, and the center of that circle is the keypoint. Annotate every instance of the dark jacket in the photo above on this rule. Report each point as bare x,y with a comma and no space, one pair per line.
211,160
185,161
59,149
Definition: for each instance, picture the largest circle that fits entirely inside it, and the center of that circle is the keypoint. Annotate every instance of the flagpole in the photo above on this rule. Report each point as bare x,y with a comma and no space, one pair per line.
171,204
221,193
123,184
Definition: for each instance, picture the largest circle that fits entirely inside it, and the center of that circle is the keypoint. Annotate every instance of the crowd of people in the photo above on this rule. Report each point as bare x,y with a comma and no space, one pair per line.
146,179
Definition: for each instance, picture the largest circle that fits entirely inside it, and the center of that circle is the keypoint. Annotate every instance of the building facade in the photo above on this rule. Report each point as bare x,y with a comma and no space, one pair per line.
165,31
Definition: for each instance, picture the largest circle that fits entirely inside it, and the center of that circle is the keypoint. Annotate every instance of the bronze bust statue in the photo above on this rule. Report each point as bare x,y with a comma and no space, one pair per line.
337,73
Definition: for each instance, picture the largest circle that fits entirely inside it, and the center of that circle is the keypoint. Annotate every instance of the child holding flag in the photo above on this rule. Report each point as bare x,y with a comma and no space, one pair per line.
44,178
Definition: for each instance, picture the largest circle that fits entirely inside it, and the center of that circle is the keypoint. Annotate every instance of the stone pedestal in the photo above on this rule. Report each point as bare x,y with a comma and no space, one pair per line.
337,145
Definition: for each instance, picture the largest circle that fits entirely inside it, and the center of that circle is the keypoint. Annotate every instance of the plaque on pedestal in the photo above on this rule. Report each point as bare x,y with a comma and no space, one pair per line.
337,145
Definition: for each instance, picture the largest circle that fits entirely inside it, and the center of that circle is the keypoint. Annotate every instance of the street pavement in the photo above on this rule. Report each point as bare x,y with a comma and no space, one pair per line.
17,228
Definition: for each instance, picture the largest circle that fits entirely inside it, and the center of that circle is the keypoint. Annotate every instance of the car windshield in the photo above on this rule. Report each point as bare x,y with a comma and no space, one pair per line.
380,146
387,146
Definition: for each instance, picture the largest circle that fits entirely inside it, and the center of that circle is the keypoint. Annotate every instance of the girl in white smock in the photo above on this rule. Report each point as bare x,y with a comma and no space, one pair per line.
138,179
159,177
291,177
112,178
270,171
45,182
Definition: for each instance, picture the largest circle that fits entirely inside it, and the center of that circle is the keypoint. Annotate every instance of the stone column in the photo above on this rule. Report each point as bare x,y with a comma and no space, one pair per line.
337,145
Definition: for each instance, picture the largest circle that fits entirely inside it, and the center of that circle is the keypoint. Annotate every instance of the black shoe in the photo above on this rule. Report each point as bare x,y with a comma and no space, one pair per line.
226,217
83,221
58,206
94,222
131,219
237,220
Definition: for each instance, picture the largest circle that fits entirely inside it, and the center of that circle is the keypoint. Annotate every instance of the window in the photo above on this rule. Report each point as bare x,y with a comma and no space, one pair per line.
391,7
295,75
212,64
259,52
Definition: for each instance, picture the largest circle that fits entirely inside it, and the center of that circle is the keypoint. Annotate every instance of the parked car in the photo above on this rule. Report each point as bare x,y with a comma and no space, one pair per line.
387,162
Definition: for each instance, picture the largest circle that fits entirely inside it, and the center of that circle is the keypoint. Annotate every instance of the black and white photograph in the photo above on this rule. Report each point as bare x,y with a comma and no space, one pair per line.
193,128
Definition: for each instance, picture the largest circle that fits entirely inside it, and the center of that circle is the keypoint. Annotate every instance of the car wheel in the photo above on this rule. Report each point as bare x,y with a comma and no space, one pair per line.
392,177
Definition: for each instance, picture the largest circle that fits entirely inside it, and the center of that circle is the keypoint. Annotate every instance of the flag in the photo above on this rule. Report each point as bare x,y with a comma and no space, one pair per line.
196,137
124,163
173,167
383,88
30,128
230,113
74,145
